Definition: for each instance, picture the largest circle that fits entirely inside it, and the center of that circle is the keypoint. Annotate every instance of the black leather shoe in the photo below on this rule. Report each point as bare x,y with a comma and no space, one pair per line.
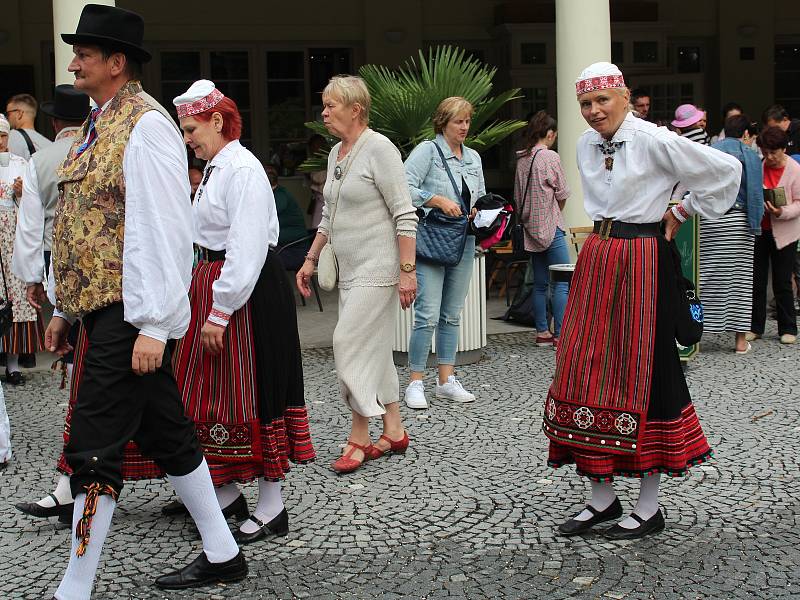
652,525
574,527
37,510
14,378
174,508
278,526
65,519
200,572
237,509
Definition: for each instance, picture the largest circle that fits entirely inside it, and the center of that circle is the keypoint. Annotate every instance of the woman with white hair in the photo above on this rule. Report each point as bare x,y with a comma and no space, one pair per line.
619,404
371,225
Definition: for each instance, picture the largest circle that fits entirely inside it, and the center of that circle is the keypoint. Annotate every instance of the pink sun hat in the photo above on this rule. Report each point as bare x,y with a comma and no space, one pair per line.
687,114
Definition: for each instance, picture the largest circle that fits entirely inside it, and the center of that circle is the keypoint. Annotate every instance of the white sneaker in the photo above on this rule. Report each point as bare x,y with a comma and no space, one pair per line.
415,395
453,390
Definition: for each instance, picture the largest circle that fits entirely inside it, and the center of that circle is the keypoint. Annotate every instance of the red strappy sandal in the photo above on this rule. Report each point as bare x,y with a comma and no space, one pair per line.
395,447
346,464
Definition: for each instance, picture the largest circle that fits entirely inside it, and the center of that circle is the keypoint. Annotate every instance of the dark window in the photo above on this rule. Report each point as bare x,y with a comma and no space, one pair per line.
533,54
617,53
689,59
645,52
787,77
324,63
533,100
747,53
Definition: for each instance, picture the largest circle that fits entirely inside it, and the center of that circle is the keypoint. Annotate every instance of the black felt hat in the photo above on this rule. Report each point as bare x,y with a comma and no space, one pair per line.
68,104
110,26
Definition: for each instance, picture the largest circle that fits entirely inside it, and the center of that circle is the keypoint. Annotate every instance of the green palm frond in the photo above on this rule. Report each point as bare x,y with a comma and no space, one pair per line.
404,99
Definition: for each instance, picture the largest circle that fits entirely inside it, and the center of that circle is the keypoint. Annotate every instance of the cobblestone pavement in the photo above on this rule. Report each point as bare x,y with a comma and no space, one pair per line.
470,510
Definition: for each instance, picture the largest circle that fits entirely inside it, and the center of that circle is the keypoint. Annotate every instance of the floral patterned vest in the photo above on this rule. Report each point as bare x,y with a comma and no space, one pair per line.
89,225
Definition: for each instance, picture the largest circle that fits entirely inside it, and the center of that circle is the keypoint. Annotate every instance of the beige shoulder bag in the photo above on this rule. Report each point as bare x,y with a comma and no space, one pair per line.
328,267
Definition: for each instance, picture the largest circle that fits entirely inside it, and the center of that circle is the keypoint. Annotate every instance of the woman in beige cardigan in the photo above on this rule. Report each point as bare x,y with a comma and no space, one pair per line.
372,224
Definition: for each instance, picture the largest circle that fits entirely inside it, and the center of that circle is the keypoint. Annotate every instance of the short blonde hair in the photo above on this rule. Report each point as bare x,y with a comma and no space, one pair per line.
350,90
449,109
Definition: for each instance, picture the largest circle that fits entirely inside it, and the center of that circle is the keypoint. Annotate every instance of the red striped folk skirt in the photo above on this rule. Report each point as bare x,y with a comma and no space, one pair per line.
134,465
247,402
26,337
619,404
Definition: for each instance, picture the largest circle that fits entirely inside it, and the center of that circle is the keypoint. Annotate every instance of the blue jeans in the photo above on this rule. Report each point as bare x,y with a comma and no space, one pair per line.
440,298
540,261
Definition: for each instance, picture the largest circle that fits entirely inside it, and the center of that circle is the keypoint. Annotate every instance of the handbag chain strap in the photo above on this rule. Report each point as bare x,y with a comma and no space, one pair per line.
527,186
350,160
450,175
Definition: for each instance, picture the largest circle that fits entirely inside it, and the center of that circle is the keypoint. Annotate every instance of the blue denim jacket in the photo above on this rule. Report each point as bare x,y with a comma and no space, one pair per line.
751,195
427,177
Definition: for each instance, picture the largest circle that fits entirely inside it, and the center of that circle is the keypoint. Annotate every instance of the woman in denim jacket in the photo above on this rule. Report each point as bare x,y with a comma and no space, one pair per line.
441,290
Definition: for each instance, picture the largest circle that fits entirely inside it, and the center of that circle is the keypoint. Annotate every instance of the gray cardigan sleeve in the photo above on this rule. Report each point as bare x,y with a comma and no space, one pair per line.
389,176
325,222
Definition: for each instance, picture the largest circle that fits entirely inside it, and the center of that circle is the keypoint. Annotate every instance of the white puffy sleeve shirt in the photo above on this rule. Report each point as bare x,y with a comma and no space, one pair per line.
27,262
157,254
647,165
235,211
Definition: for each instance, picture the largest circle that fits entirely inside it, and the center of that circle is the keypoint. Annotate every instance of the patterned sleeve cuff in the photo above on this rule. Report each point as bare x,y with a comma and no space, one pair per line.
219,317
679,212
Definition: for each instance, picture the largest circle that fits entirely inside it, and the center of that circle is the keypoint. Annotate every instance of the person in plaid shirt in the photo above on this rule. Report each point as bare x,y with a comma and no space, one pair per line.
541,191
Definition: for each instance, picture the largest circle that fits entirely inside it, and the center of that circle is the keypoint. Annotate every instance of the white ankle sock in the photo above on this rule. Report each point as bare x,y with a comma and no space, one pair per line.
63,493
602,497
12,362
227,494
647,505
79,578
197,493
270,505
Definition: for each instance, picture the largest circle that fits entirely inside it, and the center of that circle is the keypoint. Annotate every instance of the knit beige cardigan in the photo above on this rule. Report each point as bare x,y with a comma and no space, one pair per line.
374,208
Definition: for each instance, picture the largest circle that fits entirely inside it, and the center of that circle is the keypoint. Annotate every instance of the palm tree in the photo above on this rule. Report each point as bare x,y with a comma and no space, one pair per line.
404,100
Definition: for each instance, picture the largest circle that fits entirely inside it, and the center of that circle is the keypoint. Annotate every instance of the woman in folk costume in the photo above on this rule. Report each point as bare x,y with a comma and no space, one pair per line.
619,404
26,335
239,365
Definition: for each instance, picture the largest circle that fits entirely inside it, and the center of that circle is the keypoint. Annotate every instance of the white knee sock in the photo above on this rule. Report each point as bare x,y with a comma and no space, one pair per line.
647,504
227,494
602,497
62,492
197,493
270,505
79,578
12,362
69,373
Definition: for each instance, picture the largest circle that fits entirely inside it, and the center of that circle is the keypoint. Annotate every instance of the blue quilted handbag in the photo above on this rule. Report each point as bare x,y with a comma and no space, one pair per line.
441,238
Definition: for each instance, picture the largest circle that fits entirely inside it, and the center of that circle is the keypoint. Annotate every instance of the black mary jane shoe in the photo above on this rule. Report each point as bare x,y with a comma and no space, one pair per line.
574,527
201,572
237,508
278,526
652,525
14,378
37,510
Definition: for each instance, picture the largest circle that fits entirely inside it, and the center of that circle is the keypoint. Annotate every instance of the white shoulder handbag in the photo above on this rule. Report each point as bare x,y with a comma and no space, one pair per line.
328,266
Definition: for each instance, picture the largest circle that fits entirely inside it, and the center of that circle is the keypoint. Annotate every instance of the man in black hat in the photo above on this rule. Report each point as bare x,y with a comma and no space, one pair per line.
122,259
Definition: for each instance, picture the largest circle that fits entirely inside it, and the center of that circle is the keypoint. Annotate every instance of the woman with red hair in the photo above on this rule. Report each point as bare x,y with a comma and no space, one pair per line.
239,365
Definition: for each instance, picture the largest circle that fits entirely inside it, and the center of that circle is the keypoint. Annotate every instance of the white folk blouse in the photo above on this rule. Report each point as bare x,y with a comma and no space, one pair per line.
234,210
648,162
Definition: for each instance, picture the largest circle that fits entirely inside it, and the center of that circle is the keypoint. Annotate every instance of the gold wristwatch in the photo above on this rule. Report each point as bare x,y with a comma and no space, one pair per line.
408,267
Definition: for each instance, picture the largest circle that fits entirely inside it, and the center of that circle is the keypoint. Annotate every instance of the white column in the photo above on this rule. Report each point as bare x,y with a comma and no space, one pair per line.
583,37
65,19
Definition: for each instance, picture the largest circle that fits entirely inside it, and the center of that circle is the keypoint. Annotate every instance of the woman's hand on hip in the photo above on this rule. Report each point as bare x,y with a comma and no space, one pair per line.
303,278
211,337
671,225
407,289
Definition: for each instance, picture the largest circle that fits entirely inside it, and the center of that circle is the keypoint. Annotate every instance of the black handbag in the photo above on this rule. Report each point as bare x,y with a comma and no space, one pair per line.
6,308
441,238
518,230
689,320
